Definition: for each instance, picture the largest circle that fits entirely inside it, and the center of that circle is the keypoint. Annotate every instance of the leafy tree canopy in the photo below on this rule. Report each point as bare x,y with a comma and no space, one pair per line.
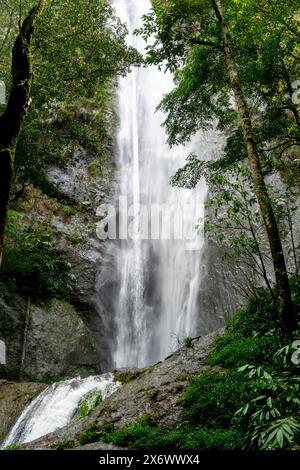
187,41
79,47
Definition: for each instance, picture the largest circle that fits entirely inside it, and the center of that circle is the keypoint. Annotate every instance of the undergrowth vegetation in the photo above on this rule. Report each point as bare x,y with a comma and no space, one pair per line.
32,265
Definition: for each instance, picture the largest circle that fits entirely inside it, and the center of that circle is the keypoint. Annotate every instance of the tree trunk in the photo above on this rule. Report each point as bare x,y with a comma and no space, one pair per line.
18,102
285,306
25,336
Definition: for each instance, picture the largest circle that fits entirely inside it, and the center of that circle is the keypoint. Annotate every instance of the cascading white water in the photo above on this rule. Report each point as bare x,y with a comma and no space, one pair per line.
55,407
157,301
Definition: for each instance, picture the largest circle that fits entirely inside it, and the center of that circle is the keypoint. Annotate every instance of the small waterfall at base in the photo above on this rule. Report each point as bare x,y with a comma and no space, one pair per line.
56,406
151,300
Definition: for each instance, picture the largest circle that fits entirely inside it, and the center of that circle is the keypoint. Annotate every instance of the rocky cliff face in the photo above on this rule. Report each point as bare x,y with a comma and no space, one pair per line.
220,293
45,340
57,338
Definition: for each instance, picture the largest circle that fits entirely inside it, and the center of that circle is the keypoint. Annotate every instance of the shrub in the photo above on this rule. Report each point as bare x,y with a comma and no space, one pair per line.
13,447
212,398
202,438
275,406
63,445
141,434
89,435
145,435
188,342
233,350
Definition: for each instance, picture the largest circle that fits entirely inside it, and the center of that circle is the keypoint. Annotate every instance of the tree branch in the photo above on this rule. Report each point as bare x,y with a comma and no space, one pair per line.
207,43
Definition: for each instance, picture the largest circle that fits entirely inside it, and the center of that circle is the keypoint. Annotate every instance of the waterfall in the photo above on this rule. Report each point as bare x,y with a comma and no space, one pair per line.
150,302
55,407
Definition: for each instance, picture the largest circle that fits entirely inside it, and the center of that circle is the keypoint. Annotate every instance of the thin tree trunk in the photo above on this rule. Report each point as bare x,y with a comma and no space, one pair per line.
18,102
285,306
25,334
290,223
261,259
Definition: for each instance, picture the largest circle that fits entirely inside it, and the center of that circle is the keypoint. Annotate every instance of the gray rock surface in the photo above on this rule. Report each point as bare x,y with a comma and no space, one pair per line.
220,293
57,340
13,399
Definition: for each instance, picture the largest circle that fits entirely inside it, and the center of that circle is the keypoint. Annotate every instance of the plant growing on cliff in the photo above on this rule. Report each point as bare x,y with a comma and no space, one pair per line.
89,403
32,266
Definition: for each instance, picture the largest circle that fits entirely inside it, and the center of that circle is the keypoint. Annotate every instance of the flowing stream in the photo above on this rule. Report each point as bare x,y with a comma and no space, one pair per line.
56,406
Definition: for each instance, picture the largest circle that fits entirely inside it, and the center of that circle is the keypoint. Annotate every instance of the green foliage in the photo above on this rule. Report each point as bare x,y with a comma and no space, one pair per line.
13,447
62,445
211,398
272,382
275,408
127,376
254,332
258,316
236,351
75,238
145,435
233,219
79,49
186,39
256,406
202,438
188,342
32,265
142,434
89,435
89,403
280,434
95,168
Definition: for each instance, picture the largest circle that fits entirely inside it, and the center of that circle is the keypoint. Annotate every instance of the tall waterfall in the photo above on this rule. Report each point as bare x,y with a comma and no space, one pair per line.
154,301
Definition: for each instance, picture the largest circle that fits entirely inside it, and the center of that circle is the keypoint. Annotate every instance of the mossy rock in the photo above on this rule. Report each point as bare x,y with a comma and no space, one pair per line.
127,375
89,402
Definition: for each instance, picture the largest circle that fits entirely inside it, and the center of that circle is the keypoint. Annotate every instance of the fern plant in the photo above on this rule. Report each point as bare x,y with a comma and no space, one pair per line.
275,406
